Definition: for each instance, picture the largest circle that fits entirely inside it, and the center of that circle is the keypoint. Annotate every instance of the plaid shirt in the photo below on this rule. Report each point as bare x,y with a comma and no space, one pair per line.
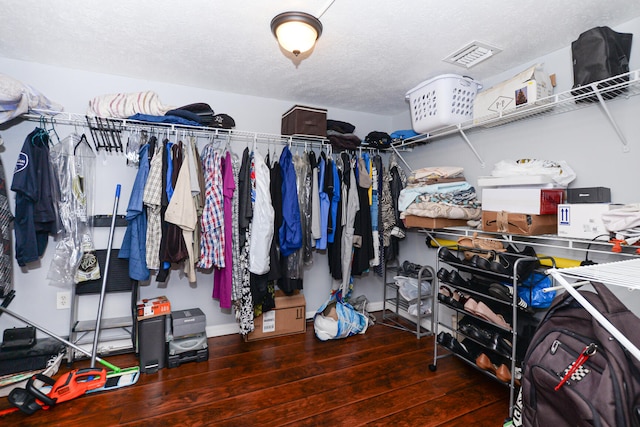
212,239
152,198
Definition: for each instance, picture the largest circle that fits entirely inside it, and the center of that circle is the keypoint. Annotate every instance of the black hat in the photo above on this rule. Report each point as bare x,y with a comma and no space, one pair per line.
223,121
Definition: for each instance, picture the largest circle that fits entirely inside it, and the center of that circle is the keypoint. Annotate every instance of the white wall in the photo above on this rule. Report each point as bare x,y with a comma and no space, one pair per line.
73,89
584,138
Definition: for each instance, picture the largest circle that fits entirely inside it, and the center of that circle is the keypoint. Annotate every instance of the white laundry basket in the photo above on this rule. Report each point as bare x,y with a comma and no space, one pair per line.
442,101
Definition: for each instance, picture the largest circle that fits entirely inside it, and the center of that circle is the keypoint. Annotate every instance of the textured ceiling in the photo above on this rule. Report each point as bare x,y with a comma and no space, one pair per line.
370,53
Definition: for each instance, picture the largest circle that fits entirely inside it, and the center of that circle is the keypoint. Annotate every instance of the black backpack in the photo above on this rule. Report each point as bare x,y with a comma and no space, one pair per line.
605,389
598,54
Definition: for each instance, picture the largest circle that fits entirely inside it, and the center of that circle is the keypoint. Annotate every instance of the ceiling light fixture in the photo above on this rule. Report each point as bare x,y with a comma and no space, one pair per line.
296,32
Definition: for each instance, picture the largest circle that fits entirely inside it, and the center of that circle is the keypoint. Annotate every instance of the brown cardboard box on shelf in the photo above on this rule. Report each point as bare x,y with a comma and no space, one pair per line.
289,317
412,221
517,223
301,120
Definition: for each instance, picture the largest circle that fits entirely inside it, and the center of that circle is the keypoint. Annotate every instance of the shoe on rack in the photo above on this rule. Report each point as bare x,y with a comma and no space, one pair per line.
505,293
501,265
480,262
459,348
461,297
524,267
484,312
443,275
447,256
477,333
471,306
502,372
457,280
449,297
444,339
411,269
501,345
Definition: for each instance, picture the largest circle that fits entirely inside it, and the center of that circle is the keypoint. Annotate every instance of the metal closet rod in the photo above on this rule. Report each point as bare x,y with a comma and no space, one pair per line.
79,120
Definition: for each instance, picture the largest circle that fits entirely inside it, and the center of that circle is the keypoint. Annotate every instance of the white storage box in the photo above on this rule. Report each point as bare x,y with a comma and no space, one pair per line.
442,101
542,181
583,220
519,92
532,201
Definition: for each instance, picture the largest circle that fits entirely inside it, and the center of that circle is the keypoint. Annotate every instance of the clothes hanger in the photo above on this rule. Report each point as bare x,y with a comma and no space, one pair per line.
83,138
41,136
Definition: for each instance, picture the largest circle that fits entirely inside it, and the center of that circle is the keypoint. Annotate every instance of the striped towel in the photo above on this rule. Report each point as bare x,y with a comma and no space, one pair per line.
123,105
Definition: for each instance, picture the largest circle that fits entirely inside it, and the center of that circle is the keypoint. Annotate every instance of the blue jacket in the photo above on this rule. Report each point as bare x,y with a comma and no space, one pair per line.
135,238
335,200
321,243
290,232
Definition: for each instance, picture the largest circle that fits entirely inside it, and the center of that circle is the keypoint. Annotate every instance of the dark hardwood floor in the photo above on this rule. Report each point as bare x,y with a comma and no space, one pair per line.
381,378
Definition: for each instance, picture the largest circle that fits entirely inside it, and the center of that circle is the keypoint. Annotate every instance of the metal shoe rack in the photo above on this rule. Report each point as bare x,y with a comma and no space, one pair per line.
511,332
395,308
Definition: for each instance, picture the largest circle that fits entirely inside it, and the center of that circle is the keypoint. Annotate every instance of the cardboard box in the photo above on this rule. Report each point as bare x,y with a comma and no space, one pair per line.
583,220
534,201
589,195
188,322
518,92
152,307
412,221
519,223
300,120
289,317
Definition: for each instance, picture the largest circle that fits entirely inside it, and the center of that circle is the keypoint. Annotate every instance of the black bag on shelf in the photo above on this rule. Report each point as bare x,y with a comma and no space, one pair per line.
602,389
598,54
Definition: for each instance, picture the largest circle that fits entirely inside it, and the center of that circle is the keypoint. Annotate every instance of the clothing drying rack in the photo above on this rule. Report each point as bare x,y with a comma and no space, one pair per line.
618,273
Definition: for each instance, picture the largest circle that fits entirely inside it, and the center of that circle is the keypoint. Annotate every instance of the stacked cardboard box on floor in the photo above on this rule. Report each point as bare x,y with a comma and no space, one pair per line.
288,317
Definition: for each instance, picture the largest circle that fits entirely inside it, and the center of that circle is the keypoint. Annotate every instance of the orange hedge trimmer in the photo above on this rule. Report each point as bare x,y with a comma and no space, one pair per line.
69,386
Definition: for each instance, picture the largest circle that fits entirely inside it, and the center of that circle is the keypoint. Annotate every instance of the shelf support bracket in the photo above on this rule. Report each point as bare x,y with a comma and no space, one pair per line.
625,147
401,158
464,136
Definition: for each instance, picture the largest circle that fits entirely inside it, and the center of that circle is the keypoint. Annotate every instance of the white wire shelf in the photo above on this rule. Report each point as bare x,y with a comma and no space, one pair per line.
622,86
122,124
624,273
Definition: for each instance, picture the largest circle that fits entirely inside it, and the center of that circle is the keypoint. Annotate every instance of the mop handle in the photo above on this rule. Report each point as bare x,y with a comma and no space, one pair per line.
58,338
94,350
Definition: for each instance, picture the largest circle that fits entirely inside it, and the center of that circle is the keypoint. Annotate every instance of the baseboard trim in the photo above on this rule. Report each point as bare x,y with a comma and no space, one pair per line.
233,328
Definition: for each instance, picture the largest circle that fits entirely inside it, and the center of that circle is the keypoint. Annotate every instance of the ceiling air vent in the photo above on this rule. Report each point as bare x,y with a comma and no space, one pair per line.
472,54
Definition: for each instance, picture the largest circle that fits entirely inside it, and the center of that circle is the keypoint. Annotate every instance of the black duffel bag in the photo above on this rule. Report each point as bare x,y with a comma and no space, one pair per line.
599,54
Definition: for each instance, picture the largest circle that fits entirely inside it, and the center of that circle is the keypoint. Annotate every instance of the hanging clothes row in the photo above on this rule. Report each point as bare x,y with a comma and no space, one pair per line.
254,222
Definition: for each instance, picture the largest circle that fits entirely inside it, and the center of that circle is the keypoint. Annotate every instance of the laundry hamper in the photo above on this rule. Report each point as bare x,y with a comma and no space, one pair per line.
442,101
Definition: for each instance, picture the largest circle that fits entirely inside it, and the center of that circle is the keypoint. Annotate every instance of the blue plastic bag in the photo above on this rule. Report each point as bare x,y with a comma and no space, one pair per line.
530,291
337,319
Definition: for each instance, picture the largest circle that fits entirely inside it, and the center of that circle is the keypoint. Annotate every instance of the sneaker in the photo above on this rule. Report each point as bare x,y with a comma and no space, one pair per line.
505,293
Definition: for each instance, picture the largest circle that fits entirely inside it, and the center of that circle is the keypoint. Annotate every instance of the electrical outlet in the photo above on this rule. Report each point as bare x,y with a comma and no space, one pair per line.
63,300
